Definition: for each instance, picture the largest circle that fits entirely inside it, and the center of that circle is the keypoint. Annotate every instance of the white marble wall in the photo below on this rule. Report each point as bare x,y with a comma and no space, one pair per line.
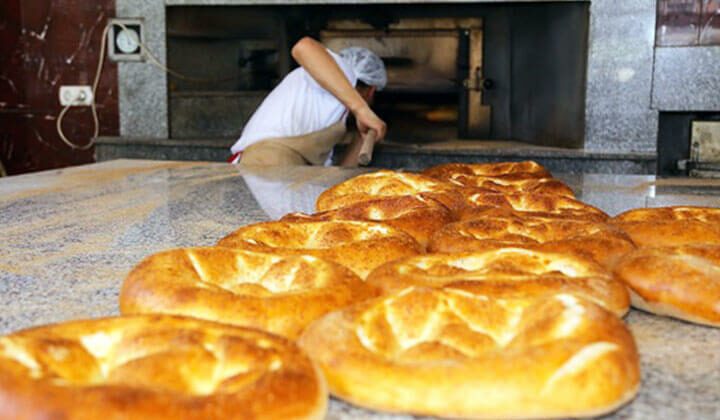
618,114
687,78
143,98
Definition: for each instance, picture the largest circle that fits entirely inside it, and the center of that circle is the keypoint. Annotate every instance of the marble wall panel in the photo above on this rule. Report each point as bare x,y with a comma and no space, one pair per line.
46,44
143,87
710,23
687,78
688,23
678,22
618,114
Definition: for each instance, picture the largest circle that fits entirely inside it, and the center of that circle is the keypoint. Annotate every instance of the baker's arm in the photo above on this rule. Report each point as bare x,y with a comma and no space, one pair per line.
314,58
352,152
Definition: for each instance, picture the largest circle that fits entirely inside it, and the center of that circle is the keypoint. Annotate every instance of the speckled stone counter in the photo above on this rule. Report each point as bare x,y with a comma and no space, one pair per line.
69,237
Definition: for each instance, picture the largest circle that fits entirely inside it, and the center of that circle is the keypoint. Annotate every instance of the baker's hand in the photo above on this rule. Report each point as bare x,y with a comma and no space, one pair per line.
366,120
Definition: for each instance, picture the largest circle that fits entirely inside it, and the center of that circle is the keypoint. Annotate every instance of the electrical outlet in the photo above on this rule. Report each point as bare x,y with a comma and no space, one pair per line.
80,95
125,39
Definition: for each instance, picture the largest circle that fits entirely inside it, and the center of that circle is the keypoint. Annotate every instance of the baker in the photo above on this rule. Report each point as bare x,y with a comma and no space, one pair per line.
304,116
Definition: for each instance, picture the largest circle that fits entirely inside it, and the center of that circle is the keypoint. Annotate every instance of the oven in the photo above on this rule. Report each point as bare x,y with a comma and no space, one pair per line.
472,71
435,74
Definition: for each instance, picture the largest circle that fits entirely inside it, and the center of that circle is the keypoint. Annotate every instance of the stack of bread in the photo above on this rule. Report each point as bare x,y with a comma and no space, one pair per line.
676,269
468,290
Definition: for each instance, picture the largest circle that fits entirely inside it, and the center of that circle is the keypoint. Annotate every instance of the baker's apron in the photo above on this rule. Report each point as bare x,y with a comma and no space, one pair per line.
308,149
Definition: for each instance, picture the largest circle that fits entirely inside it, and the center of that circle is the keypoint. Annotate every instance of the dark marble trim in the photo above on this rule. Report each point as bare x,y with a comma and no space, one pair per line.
160,142
518,152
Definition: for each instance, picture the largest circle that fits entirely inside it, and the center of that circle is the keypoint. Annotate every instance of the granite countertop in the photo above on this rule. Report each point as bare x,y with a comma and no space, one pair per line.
70,236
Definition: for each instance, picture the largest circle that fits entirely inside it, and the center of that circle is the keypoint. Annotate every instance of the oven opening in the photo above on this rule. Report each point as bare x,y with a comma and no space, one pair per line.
419,117
435,73
510,72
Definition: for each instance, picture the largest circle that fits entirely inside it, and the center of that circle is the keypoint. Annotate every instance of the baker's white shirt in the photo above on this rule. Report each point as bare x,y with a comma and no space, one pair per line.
297,106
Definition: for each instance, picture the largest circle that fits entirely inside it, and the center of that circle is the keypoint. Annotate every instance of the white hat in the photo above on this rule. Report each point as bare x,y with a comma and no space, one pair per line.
368,67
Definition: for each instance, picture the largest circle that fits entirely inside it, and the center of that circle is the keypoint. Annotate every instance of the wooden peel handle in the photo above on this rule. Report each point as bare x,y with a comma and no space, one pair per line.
366,149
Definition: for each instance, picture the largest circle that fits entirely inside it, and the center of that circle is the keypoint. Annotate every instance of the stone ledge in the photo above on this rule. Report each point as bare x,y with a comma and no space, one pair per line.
213,150
395,155
509,148
221,143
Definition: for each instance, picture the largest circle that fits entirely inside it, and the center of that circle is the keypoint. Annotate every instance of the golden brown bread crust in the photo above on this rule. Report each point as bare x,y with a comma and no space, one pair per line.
386,183
360,246
701,214
414,215
516,184
158,366
600,241
671,232
270,292
682,282
453,353
446,172
671,226
505,177
482,204
513,270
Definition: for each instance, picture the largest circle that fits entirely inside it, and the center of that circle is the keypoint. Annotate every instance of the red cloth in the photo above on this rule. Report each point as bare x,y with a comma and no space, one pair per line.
232,158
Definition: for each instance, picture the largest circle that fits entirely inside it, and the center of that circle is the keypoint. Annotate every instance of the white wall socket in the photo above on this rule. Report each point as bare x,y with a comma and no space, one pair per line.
80,95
